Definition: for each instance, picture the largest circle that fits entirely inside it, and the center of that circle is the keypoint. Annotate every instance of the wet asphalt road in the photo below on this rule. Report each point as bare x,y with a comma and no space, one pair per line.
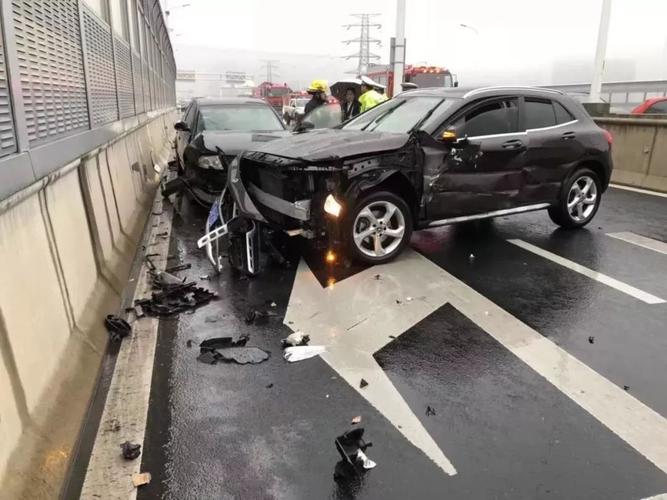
267,431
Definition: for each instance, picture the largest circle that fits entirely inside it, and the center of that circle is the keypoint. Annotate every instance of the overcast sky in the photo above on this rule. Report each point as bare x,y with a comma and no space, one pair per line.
527,38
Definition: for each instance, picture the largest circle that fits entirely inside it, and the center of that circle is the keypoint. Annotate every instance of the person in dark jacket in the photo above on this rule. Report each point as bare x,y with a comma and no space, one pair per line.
318,91
351,105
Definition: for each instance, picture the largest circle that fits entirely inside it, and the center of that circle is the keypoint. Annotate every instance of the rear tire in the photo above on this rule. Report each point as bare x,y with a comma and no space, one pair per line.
378,228
578,201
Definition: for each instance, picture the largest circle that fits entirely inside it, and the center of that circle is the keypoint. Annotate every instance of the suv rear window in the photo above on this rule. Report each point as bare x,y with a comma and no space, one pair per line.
539,114
562,114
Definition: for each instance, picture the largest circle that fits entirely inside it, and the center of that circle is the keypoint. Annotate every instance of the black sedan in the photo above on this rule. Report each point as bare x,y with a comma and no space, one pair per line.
229,124
427,158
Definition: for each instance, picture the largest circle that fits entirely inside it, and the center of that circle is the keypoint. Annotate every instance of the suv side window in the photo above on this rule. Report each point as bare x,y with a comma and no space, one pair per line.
562,114
495,117
538,113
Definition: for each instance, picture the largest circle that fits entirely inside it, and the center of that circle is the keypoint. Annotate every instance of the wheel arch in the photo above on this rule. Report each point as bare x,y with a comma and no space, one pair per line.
389,180
597,167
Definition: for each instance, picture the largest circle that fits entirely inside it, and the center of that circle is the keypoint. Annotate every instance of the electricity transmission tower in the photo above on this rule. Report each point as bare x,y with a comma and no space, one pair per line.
364,54
269,66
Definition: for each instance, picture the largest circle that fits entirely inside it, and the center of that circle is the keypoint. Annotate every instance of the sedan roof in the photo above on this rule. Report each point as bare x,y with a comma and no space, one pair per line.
212,101
470,92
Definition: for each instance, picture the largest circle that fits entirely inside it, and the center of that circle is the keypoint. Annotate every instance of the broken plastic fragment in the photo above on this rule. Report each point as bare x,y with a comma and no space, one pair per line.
299,353
591,339
141,479
222,342
366,462
356,419
243,355
273,304
117,327
130,450
363,383
296,339
408,299
430,411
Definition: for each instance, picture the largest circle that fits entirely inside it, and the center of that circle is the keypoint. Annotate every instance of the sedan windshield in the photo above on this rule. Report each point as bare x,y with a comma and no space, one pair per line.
241,117
398,115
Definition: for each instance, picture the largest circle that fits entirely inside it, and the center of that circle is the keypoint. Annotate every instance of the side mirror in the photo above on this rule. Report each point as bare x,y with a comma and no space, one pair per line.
449,136
181,126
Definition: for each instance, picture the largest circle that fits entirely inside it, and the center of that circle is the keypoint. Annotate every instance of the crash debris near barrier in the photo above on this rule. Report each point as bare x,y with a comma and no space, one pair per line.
117,327
296,339
141,479
130,450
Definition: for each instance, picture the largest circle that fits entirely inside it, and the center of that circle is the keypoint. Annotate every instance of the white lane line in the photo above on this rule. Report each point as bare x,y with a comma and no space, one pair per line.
638,190
639,426
641,241
661,496
371,305
594,275
108,474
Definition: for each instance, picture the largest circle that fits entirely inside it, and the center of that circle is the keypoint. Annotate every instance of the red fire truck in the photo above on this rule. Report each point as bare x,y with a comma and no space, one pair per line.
273,93
422,76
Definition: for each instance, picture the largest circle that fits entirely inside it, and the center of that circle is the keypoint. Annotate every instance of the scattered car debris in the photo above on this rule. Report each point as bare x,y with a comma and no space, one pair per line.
351,446
259,316
117,327
165,280
296,339
204,277
222,342
362,383
591,339
268,386
430,411
208,357
471,258
398,301
250,316
130,450
377,277
356,420
188,344
243,355
299,353
180,267
176,299
141,479
273,304
408,299
393,337
626,387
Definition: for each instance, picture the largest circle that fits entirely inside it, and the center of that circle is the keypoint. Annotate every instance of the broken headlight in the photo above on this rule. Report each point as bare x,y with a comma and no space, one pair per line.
212,161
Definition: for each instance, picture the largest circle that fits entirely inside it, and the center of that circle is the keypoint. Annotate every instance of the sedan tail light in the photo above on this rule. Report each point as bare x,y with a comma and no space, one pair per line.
608,136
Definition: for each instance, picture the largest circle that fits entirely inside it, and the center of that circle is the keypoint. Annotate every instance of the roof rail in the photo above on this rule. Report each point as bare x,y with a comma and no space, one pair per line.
511,87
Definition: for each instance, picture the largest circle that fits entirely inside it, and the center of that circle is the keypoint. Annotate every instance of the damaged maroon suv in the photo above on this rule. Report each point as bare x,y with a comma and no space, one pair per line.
427,158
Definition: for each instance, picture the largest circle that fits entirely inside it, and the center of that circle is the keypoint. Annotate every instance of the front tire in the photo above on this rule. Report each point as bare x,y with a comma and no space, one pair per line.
579,200
378,228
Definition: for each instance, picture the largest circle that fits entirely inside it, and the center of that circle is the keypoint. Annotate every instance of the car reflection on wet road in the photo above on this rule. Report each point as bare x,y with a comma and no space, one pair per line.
540,353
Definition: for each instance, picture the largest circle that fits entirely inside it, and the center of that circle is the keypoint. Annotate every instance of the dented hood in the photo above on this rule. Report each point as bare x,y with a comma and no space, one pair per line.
233,143
325,144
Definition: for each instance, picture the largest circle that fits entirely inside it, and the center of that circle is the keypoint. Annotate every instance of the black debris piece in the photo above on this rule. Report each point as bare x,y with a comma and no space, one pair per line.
162,235
398,301
188,344
377,277
363,383
164,280
626,387
351,446
222,342
176,299
392,336
243,355
250,316
130,450
117,327
180,267
591,339
268,386
208,357
430,411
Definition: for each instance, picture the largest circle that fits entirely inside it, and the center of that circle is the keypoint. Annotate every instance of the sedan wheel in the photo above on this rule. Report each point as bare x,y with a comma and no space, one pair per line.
381,227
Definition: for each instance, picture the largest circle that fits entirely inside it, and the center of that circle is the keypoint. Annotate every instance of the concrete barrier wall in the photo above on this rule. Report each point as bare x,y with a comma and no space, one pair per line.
66,247
639,151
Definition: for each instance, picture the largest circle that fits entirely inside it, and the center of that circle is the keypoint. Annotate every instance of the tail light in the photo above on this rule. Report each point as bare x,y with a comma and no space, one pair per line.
608,136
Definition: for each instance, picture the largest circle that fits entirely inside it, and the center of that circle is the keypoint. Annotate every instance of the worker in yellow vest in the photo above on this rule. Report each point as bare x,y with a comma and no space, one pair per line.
369,97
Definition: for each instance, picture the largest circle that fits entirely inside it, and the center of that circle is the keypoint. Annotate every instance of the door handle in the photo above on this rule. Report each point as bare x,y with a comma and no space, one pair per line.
568,136
512,144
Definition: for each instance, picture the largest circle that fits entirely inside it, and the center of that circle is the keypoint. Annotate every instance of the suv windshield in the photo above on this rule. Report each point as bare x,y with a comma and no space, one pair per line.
241,117
397,115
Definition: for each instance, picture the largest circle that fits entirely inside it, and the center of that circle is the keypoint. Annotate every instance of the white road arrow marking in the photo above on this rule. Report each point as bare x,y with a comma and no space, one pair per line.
355,318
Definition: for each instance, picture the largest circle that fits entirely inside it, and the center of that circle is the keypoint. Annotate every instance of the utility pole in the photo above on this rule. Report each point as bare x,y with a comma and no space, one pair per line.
600,51
270,65
364,54
399,47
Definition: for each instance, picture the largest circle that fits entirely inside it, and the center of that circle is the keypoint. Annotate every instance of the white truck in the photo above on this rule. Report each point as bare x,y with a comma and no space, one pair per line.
294,107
